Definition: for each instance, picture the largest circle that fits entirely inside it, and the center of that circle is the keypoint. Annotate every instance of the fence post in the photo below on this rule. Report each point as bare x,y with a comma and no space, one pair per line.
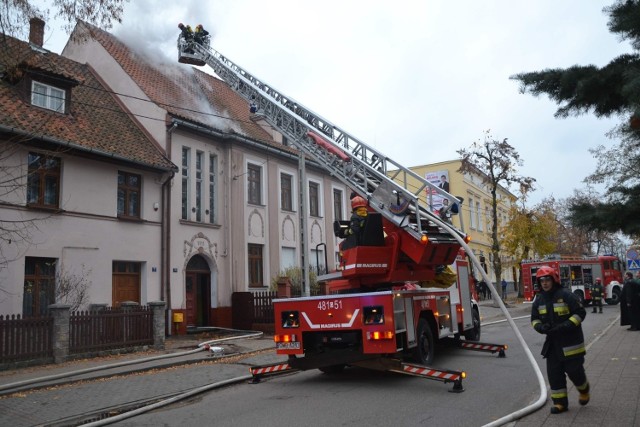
158,324
127,307
61,314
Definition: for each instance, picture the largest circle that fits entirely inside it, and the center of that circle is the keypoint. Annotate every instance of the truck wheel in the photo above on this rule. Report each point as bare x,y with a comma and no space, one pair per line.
424,352
615,297
473,334
333,369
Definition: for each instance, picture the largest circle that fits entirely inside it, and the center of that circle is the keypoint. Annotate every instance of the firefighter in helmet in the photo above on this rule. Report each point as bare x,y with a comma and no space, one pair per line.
558,314
358,216
186,32
200,34
597,292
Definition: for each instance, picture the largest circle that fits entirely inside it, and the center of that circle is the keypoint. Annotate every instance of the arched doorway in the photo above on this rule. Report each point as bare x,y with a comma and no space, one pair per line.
198,292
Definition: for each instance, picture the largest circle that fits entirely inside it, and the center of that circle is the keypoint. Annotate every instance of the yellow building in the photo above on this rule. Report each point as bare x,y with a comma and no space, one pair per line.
475,214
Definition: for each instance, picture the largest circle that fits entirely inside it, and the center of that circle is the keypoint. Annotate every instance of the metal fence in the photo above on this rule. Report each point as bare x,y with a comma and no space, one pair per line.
110,328
25,339
263,306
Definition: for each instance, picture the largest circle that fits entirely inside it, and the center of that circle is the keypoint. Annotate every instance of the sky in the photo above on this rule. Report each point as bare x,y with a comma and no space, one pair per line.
416,80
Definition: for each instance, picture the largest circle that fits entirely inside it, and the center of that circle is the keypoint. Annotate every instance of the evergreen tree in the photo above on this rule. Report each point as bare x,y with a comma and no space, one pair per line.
613,90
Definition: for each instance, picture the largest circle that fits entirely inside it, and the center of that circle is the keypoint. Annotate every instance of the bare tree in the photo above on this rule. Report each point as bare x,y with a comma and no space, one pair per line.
72,289
496,161
15,14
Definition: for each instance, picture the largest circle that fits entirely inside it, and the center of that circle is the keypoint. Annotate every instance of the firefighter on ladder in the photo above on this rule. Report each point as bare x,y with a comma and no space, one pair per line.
358,216
596,295
558,314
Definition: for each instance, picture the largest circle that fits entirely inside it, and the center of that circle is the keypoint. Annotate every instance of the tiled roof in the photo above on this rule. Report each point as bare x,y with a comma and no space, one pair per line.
95,121
184,91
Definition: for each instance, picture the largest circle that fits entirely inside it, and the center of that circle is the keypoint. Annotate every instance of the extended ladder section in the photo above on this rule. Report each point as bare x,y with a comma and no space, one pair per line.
390,188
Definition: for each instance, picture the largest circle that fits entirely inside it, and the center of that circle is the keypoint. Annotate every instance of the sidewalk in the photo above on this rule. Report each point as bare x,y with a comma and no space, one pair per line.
613,369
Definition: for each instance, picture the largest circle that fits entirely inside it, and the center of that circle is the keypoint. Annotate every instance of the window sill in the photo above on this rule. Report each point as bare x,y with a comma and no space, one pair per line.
51,209
199,224
130,218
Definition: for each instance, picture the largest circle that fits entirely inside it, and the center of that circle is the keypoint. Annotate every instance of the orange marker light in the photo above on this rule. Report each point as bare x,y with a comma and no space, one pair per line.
424,239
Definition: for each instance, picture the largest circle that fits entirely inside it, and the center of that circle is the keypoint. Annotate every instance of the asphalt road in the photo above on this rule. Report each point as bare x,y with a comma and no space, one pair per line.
494,388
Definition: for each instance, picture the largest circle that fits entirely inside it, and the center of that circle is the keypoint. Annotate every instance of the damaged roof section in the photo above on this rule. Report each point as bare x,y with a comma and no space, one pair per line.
183,91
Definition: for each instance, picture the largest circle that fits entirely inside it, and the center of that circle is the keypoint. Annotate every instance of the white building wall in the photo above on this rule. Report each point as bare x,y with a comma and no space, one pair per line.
86,236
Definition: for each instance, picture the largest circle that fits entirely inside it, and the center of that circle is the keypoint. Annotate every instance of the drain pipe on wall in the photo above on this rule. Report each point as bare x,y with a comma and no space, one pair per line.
166,218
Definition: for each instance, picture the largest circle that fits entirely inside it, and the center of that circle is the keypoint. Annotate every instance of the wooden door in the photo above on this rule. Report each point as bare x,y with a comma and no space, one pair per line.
126,287
190,298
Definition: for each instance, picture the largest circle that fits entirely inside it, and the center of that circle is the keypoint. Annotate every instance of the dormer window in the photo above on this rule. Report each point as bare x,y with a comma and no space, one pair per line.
49,97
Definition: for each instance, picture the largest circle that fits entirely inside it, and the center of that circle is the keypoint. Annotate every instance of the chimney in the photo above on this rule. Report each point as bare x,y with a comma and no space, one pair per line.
36,31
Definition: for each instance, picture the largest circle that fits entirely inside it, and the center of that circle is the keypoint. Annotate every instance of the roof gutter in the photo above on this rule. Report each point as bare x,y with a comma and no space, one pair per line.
83,149
240,138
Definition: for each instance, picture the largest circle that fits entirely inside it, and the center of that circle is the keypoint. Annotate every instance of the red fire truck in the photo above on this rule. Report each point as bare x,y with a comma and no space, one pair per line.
403,283
577,273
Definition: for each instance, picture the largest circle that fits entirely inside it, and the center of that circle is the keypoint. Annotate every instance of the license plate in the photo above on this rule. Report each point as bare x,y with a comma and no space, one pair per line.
287,346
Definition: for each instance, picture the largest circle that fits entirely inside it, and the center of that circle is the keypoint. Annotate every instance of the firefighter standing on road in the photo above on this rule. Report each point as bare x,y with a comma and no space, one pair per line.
558,314
596,295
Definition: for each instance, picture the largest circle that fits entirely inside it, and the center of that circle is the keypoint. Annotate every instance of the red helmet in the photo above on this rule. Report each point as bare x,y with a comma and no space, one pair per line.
545,270
358,202
598,279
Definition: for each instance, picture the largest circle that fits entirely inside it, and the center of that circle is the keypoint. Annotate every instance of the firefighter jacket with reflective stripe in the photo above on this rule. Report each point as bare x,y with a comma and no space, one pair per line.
596,291
564,312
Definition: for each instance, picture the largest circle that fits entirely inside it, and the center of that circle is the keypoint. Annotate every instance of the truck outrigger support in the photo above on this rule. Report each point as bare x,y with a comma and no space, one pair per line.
443,375
390,365
260,371
480,346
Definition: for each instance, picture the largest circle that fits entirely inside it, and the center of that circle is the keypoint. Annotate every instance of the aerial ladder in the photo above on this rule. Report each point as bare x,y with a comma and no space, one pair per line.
389,317
389,187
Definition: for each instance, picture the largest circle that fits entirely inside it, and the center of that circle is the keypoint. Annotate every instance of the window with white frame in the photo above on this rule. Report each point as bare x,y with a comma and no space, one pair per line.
487,218
199,167
255,264
286,192
213,167
472,214
287,258
49,97
337,205
254,184
43,180
186,155
479,213
314,198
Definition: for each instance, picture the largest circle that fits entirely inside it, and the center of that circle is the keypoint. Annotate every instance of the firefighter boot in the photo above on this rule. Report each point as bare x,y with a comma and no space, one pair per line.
584,397
594,309
558,408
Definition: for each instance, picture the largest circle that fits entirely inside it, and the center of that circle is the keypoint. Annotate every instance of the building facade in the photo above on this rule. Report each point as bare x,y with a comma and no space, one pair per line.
475,213
232,209
80,210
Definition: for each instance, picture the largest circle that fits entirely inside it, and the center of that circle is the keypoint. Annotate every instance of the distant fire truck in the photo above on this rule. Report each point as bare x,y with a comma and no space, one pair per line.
578,274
